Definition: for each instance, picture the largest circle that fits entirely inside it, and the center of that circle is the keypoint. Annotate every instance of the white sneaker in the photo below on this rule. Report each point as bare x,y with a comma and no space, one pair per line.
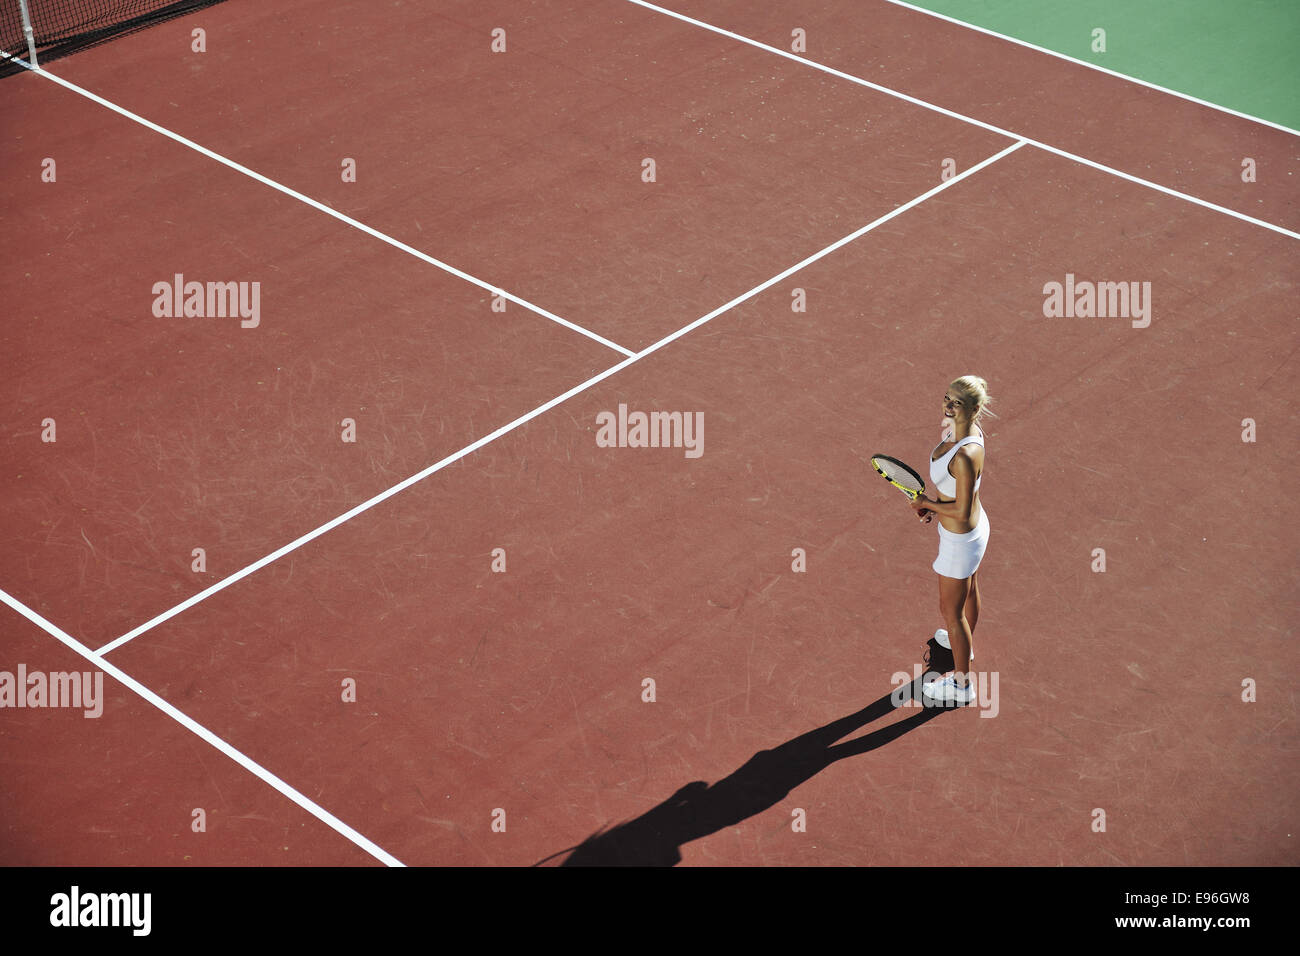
941,638
946,689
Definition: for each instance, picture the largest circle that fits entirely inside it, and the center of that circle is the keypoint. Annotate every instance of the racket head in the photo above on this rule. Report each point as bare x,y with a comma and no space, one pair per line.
901,476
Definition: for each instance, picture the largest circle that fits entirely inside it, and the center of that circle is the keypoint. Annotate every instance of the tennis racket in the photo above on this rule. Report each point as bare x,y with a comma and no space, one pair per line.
899,475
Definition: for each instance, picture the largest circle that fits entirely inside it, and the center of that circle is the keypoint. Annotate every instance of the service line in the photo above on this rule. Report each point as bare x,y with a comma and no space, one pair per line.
952,114
545,407
199,730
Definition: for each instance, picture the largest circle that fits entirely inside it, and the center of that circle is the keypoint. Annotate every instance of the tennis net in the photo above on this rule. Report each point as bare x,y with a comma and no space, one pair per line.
61,27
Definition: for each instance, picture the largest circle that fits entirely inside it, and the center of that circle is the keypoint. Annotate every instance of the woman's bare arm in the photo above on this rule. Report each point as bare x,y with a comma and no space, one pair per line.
963,469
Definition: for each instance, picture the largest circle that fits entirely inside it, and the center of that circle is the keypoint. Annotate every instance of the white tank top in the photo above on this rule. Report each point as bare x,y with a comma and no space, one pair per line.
945,483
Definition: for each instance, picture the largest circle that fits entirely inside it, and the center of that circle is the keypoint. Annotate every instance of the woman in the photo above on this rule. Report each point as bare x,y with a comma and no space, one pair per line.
955,468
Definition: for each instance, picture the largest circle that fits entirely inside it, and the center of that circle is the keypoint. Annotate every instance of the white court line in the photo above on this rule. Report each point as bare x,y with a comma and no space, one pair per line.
341,217
1094,66
963,118
196,728
541,409
26,65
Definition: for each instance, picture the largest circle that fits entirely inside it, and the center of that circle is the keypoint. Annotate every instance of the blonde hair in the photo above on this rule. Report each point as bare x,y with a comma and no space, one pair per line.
974,393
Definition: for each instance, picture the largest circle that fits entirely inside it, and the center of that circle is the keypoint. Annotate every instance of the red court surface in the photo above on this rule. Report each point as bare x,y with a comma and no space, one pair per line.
517,696
89,787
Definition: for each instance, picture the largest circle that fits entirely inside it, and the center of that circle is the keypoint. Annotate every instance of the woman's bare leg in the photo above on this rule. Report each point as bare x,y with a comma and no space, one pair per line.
972,609
953,595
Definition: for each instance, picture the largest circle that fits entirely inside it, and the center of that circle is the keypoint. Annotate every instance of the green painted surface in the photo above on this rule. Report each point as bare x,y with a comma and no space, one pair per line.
1242,54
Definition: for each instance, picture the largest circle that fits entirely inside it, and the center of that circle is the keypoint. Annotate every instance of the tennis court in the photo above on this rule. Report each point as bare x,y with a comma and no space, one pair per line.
365,586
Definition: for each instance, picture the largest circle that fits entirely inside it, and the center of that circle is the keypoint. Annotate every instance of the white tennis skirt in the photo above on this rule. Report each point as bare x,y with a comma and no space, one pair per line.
960,554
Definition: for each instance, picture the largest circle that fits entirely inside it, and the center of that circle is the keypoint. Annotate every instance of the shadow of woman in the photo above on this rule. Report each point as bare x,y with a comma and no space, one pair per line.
655,838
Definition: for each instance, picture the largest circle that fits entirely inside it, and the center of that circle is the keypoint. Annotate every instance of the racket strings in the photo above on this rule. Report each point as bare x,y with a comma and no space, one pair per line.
899,474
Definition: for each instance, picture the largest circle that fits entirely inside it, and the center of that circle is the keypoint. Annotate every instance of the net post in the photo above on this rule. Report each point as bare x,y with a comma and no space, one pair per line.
27,31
